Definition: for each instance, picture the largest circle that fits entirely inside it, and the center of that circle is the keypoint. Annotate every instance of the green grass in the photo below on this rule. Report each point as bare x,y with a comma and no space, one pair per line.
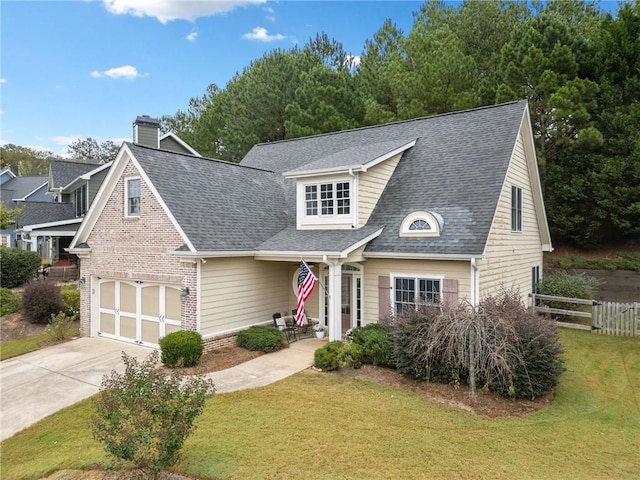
321,426
627,261
31,343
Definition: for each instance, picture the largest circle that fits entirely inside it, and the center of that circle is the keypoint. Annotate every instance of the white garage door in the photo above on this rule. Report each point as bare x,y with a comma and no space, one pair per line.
137,312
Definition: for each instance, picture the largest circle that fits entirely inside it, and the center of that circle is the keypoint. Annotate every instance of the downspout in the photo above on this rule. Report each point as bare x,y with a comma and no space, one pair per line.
475,280
354,224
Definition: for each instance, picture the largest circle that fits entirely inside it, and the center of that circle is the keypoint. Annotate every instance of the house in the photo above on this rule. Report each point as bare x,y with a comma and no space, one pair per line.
17,192
436,209
49,229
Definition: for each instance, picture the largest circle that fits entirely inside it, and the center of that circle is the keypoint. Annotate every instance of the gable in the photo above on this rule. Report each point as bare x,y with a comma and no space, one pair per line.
371,184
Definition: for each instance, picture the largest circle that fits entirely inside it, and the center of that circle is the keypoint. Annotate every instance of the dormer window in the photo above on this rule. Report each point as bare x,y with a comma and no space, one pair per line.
421,224
80,199
326,202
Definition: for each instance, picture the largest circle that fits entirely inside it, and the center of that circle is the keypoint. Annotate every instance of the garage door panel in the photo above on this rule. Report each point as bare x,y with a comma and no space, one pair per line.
128,298
108,295
128,327
107,323
150,331
151,301
173,306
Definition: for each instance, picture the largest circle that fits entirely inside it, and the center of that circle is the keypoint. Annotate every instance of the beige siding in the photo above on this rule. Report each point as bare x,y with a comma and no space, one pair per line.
239,292
511,255
375,268
371,185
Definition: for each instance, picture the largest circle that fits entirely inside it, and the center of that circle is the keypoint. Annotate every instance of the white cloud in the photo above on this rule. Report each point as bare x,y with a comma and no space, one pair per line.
354,59
168,10
64,139
125,71
260,34
3,80
192,36
270,14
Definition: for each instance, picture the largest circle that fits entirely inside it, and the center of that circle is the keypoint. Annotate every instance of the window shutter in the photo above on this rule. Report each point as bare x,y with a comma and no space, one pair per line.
384,298
450,291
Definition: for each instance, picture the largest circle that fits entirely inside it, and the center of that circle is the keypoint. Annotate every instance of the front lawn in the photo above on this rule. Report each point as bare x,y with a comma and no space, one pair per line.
323,426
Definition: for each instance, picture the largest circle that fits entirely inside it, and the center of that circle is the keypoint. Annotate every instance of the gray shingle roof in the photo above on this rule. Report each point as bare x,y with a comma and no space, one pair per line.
63,172
219,205
456,168
34,213
18,187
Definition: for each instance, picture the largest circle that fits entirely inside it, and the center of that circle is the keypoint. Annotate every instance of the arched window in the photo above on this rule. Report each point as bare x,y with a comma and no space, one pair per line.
421,224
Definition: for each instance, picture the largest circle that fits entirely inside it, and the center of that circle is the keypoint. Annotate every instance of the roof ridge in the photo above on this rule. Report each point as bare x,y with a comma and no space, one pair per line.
73,161
397,122
199,157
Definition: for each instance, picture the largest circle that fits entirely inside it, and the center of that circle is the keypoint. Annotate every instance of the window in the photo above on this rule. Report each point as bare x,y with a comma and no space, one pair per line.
535,278
421,224
133,197
334,199
516,209
409,292
80,200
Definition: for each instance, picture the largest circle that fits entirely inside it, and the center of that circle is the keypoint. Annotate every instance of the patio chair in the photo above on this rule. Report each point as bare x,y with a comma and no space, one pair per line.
307,323
288,330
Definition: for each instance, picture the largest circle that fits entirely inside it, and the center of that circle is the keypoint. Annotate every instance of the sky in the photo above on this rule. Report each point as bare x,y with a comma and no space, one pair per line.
86,68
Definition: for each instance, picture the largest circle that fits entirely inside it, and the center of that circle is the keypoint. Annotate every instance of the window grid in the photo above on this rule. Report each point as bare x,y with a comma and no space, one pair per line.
311,199
406,297
334,198
420,224
326,198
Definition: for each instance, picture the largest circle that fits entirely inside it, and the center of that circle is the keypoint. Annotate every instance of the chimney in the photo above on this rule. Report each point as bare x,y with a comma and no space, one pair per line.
146,131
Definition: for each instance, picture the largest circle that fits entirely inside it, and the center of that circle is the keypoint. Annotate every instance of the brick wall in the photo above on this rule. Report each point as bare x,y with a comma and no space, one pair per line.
136,249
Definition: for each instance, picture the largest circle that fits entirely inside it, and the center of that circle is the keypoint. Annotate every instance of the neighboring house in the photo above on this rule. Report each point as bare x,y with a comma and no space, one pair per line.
19,192
73,186
436,209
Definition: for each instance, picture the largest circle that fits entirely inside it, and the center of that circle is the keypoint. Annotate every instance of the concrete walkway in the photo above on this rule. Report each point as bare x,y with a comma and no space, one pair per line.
38,384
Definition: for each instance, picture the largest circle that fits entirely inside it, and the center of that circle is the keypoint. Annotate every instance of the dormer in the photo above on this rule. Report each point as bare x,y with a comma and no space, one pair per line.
340,190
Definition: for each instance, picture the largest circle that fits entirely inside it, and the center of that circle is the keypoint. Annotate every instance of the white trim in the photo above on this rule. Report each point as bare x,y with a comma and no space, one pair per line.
126,181
365,240
348,219
37,226
420,256
434,220
180,141
519,209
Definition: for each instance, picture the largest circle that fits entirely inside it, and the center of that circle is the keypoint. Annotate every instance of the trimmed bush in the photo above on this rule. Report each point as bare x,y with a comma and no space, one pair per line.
71,303
40,300
181,349
17,267
350,356
374,340
327,357
260,338
9,302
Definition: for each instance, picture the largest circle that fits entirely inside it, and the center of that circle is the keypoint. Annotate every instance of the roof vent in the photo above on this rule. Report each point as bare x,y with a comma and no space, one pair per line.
146,131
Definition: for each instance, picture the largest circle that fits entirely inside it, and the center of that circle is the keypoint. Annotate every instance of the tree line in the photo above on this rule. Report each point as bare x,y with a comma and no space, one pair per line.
578,67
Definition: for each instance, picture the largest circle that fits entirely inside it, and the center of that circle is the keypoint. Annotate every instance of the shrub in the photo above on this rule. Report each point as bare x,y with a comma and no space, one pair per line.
17,266
261,338
59,326
572,285
144,417
374,340
181,349
9,302
327,357
350,356
40,300
71,303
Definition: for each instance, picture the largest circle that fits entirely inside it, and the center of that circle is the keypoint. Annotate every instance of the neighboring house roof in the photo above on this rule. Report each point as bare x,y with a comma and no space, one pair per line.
179,141
35,213
19,189
219,205
63,172
456,168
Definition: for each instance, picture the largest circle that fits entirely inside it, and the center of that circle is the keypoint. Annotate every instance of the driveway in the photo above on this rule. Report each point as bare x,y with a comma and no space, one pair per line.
37,384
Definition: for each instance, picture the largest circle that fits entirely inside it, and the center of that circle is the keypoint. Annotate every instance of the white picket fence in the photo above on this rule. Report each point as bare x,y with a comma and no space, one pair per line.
610,318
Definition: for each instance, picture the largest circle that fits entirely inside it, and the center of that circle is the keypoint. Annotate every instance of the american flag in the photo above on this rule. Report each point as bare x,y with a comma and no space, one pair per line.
306,281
